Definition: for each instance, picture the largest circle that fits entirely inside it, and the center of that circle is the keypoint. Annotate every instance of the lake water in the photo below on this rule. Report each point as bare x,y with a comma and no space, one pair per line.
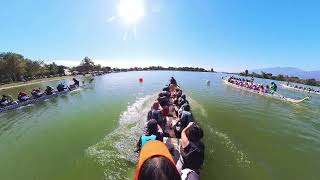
91,133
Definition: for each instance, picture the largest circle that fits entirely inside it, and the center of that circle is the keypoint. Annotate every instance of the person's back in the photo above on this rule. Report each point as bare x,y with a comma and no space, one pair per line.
155,114
193,156
192,149
186,117
173,81
153,132
146,138
163,100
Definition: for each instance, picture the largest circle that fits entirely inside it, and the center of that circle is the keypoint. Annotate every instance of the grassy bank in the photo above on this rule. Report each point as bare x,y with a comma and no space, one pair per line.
36,81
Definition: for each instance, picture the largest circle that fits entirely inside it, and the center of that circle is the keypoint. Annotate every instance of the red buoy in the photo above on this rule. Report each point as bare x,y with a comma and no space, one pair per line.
141,80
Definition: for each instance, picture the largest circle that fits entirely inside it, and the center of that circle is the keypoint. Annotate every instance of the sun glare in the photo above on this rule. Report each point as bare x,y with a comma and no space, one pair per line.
131,11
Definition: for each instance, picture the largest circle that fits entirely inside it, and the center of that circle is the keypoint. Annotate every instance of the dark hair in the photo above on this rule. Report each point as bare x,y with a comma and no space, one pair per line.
152,126
187,107
158,168
194,133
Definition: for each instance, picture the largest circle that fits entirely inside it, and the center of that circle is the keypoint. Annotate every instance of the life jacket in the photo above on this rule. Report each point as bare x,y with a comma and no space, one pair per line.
145,139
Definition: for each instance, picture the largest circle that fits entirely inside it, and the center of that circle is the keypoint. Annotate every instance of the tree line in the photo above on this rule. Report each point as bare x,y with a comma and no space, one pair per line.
17,68
280,77
14,68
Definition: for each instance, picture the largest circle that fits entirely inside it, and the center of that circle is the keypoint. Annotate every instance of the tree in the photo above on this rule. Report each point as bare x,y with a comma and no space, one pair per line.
53,69
60,70
13,66
280,77
86,65
33,69
311,82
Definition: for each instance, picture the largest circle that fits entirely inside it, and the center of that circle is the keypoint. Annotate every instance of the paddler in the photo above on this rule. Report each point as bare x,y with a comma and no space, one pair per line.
154,132
182,100
173,81
22,96
36,93
156,163
155,113
49,90
5,100
185,117
76,82
192,149
61,87
273,87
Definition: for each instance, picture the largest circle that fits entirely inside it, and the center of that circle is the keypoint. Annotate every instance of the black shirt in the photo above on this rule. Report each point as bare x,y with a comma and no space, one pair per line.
193,156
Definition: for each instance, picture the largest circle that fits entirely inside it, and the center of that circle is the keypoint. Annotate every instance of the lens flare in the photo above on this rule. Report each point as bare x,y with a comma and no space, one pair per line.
131,11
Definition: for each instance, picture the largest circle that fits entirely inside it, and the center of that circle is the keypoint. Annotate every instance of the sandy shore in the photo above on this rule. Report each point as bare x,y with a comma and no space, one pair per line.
36,81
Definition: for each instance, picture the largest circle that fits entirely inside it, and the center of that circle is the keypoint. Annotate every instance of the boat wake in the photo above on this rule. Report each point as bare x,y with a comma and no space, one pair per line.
238,155
115,153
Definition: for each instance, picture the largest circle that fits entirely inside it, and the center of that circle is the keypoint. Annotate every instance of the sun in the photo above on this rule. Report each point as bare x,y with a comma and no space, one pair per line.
131,11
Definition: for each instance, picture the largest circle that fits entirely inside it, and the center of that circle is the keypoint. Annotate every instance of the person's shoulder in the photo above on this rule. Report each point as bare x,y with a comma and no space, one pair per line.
188,174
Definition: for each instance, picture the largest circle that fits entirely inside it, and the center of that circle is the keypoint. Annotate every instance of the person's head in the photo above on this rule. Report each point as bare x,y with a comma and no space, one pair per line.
183,96
187,107
194,133
156,163
155,105
74,79
152,126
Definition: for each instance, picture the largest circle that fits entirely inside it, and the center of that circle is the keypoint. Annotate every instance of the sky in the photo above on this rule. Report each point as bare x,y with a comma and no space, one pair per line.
227,35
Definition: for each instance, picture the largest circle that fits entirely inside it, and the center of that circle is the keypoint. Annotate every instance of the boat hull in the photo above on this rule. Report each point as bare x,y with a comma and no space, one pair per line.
274,96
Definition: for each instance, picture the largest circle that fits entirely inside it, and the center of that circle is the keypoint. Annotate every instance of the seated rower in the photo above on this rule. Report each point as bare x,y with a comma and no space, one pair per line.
163,99
173,81
61,87
5,100
182,100
192,149
156,163
49,90
22,96
273,88
184,119
155,113
36,93
154,132
76,82
166,88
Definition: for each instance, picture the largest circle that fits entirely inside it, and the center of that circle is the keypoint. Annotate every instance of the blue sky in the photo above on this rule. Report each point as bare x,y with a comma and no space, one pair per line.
227,35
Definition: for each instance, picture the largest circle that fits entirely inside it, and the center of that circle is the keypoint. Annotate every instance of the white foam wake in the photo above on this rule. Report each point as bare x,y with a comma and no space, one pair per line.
116,151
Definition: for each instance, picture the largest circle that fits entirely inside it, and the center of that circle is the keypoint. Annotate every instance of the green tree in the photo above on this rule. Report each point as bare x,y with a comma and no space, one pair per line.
13,66
60,70
86,65
311,82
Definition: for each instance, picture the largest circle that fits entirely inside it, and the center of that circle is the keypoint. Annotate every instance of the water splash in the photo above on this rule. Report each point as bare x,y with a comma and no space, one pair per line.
117,148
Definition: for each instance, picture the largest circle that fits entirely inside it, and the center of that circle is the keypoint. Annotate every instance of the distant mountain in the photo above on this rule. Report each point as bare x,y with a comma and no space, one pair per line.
290,71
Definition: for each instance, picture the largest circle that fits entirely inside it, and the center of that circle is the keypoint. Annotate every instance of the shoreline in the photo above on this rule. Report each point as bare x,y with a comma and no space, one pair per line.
36,81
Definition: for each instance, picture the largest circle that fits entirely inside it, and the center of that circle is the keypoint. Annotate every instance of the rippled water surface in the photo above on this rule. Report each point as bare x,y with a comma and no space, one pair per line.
91,133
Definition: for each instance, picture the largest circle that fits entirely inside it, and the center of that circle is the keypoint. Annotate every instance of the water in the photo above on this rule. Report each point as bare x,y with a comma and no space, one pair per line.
91,133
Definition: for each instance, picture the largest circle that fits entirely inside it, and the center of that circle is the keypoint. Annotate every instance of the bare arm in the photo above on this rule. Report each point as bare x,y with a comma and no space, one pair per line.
159,129
184,138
